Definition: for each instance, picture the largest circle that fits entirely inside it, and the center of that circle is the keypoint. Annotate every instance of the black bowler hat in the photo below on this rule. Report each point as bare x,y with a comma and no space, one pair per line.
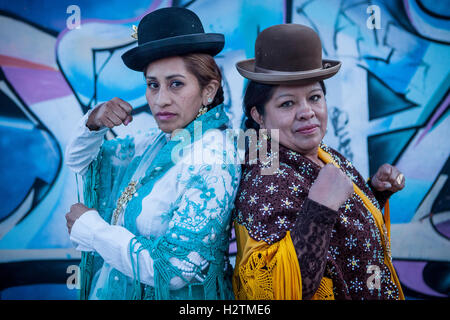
170,32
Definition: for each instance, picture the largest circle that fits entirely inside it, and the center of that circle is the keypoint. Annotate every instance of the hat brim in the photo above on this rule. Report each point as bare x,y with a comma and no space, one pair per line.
247,69
139,57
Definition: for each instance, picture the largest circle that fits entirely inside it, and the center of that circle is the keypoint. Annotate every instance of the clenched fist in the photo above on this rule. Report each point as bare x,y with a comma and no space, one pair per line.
76,211
331,188
110,114
388,178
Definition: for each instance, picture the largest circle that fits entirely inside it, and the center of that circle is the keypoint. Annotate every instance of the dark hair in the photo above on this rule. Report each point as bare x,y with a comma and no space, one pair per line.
257,95
204,68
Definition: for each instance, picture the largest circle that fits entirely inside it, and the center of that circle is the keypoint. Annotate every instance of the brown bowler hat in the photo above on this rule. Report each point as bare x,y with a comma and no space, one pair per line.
288,54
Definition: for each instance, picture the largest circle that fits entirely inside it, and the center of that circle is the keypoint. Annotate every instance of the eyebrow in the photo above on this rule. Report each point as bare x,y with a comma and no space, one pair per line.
316,89
168,77
291,95
284,95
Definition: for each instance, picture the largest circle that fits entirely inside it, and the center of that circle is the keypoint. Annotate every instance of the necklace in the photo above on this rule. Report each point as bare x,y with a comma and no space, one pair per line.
125,197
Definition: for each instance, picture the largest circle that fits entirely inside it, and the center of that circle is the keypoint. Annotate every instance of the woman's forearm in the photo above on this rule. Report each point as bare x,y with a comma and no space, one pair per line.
311,239
83,146
381,196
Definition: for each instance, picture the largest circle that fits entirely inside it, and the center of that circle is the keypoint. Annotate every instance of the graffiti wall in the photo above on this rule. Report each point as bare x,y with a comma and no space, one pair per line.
389,103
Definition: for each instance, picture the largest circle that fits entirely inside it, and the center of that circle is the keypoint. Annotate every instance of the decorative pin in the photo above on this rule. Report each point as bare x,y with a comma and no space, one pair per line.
135,34
124,198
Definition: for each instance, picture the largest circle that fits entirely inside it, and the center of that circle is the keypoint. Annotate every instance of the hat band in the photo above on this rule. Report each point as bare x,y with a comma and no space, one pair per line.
264,70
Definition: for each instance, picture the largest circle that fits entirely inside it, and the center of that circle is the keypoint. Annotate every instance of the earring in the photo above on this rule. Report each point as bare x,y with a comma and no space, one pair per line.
264,135
202,111
209,100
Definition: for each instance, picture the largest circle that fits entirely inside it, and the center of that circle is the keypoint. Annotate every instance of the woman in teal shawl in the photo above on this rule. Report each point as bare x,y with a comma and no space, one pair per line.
157,206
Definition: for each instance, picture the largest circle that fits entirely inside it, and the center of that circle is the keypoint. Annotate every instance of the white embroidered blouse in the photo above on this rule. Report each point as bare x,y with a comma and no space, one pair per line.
172,202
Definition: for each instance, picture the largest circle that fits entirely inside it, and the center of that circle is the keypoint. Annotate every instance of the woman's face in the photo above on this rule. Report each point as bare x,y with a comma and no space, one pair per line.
300,114
173,94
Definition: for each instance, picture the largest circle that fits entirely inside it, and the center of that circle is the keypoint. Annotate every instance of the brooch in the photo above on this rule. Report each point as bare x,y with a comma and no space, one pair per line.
135,35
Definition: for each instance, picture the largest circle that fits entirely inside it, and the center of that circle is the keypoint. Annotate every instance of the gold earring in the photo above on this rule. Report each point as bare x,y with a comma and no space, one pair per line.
202,111
264,136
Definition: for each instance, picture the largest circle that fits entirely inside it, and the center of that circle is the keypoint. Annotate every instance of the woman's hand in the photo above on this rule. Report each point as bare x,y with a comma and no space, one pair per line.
76,211
110,114
331,188
388,178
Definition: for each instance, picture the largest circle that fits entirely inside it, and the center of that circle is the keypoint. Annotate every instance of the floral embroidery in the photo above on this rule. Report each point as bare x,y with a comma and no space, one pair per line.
208,194
266,209
286,203
348,164
247,176
239,215
367,245
358,224
293,155
242,195
347,206
281,173
256,181
286,166
353,263
331,271
281,221
295,188
391,293
299,177
350,242
269,160
352,176
272,188
344,219
260,228
333,251
253,199
356,285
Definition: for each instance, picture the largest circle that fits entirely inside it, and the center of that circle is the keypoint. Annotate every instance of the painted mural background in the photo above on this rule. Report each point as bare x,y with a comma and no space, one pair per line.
389,103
